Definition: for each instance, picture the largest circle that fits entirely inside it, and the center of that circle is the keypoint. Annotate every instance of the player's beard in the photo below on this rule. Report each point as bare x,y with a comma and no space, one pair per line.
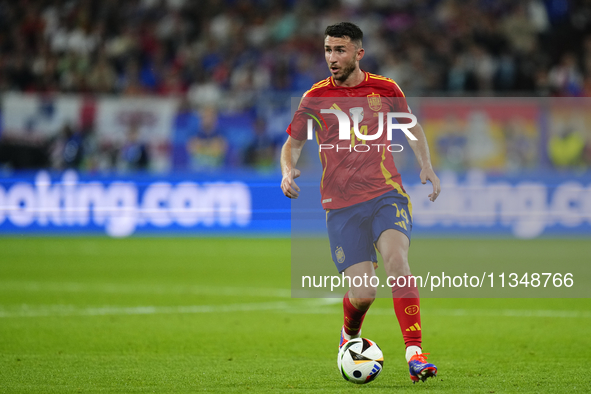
346,72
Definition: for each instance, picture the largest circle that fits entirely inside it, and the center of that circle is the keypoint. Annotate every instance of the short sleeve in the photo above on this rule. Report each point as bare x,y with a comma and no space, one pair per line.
399,100
298,126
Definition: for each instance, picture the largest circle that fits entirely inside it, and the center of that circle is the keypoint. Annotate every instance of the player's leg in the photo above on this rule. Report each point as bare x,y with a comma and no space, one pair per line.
392,226
361,293
357,300
351,243
393,246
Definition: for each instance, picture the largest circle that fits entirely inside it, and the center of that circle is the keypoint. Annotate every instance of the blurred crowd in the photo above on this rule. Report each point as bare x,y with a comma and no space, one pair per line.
245,56
208,48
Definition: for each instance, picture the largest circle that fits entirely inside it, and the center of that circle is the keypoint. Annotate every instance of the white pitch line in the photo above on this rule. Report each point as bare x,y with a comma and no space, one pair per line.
72,310
301,306
129,288
519,313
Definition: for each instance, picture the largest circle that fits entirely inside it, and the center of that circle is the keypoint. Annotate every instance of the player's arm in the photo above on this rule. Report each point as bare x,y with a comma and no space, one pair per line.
421,150
290,154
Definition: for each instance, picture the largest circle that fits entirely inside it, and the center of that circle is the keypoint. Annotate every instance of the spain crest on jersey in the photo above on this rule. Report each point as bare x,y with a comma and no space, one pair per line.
375,102
340,254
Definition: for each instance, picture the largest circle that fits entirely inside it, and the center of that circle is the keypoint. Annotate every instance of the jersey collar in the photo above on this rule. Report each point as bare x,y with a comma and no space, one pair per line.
334,85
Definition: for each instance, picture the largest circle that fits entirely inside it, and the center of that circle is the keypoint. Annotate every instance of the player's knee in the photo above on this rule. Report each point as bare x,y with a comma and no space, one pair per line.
395,258
364,297
396,264
363,304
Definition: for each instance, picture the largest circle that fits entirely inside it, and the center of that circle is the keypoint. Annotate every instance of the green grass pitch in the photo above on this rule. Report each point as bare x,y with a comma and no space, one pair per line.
81,315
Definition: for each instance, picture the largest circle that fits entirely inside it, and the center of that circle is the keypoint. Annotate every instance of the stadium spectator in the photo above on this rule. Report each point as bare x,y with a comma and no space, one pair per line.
566,148
205,91
520,147
69,148
239,56
102,78
261,151
208,148
566,77
520,30
129,82
451,144
134,154
184,128
171,85
224,39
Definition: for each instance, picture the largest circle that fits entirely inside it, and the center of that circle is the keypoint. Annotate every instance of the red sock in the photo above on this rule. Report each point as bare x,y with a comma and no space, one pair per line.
406,305
353,316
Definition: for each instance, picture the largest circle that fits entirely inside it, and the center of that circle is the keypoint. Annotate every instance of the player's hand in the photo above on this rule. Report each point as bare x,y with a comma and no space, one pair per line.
288,185
427,174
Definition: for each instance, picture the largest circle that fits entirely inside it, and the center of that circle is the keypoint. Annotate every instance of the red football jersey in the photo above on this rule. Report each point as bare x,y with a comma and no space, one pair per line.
352,173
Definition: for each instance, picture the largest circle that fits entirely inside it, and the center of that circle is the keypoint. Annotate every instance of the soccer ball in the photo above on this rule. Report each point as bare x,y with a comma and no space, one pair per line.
360,360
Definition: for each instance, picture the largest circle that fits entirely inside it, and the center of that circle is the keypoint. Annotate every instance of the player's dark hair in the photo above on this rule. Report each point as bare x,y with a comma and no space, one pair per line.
345,29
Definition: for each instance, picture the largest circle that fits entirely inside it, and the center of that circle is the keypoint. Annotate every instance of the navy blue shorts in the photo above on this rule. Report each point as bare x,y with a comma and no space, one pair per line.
354,230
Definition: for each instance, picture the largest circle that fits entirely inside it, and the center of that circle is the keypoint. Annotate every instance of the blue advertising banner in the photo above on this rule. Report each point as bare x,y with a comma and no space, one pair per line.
120,205
523,206
475,203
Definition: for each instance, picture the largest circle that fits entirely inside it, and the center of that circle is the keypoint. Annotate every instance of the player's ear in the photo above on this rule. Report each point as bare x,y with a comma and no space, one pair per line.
360,53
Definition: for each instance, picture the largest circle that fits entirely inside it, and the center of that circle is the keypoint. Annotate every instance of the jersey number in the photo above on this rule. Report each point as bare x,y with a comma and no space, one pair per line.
400,212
